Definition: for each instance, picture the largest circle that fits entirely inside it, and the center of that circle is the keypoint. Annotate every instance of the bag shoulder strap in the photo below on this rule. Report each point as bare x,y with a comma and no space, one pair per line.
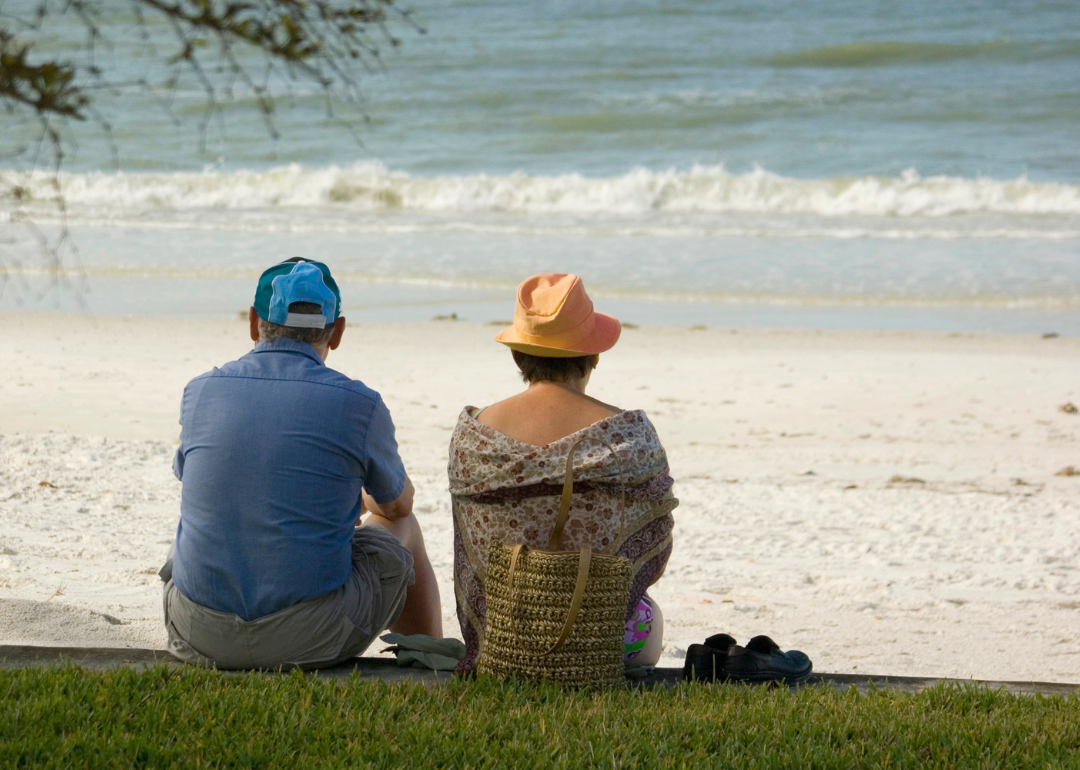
568,493
584,562
584,555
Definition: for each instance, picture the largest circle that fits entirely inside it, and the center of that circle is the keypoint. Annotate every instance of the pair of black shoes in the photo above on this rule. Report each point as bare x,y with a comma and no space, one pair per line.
760,661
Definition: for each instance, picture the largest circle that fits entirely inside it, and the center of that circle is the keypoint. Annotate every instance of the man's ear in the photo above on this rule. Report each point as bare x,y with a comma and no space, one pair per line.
253,322
335,336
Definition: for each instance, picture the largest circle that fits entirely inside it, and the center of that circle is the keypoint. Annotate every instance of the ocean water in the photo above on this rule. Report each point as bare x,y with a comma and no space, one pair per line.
781,163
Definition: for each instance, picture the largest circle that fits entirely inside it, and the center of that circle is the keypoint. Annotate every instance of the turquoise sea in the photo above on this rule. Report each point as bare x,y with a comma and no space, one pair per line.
775,163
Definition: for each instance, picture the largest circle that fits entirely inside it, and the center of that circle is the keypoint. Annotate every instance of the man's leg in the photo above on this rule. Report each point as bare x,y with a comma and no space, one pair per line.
423,609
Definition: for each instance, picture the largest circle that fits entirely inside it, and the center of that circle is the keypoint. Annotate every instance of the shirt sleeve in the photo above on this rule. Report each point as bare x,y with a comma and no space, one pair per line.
178,458
178,463
384,473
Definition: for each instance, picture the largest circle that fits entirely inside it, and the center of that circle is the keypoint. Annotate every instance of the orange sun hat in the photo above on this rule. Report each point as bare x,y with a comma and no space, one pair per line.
554,318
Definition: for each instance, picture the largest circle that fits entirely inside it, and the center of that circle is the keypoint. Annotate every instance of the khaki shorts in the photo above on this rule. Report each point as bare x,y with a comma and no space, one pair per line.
313,634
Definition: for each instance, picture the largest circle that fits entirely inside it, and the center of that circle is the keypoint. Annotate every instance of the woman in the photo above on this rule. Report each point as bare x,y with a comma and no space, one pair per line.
507,463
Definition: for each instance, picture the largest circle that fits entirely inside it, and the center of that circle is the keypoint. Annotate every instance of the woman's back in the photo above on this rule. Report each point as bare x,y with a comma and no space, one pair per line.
546,412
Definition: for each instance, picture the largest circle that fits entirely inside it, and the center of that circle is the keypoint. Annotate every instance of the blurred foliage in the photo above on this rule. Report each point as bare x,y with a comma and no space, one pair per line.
324,42
248,51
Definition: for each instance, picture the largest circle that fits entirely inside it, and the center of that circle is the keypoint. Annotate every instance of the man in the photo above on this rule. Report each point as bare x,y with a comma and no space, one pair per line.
279,456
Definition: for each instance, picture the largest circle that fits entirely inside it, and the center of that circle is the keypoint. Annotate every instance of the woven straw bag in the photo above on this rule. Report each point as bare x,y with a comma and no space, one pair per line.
556,615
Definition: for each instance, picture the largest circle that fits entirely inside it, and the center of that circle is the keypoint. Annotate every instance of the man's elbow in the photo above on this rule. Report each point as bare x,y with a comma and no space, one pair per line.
402,506
396,510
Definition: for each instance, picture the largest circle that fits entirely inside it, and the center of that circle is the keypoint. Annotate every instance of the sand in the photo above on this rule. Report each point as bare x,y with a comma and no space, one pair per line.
884,501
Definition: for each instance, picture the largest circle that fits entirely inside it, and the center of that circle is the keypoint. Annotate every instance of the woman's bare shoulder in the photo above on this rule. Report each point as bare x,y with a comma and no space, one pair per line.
542,418
594,410
610,410
528,402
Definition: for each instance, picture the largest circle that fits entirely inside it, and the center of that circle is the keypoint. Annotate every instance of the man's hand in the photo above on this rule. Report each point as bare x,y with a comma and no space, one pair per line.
395,509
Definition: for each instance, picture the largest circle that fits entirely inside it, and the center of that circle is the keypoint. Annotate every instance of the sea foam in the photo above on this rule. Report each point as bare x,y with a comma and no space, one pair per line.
372,188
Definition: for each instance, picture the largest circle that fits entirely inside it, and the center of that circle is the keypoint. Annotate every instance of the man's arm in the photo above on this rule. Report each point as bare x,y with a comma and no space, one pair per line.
178,458
399,508
383,469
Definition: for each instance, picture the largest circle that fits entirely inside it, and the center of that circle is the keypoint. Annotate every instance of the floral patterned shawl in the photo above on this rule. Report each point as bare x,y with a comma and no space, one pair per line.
507,491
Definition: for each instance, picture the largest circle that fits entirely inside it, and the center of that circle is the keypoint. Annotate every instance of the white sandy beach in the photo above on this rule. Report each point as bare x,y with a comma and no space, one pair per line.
886,502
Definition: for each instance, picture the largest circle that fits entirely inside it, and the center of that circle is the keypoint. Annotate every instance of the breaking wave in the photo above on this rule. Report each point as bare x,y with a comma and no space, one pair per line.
372,188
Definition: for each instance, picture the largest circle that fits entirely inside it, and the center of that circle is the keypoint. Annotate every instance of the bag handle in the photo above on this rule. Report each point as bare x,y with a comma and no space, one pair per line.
568,493
584,562
584,555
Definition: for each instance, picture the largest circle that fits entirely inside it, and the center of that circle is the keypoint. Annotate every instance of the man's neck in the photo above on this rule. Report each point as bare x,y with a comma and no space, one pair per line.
322,350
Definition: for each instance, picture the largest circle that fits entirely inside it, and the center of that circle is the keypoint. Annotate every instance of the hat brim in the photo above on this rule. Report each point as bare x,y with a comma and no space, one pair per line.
603,337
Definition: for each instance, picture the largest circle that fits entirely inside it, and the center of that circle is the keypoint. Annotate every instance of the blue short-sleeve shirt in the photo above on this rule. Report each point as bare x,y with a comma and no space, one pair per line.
275,449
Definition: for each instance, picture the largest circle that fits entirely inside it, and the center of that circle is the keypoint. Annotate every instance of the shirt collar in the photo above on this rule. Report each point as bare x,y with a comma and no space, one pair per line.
287,345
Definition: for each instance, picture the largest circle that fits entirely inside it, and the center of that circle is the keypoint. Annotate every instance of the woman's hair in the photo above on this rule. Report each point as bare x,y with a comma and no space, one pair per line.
540,369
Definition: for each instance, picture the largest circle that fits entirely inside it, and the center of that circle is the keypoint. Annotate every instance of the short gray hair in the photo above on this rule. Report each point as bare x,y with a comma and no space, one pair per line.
269,332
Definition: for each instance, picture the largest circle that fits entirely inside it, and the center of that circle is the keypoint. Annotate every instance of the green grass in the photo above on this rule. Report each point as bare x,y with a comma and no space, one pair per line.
67,717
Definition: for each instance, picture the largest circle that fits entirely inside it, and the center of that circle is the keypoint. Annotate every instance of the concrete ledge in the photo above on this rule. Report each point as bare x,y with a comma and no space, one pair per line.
139,659
99,658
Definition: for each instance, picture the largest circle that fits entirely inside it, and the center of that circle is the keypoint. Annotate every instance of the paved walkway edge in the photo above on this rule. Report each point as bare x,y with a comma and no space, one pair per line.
97,658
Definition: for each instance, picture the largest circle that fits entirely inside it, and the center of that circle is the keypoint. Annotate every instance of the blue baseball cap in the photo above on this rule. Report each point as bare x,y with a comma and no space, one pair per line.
298,280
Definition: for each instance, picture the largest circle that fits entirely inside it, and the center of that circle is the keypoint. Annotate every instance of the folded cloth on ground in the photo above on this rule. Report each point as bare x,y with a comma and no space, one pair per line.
639,670
423,651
